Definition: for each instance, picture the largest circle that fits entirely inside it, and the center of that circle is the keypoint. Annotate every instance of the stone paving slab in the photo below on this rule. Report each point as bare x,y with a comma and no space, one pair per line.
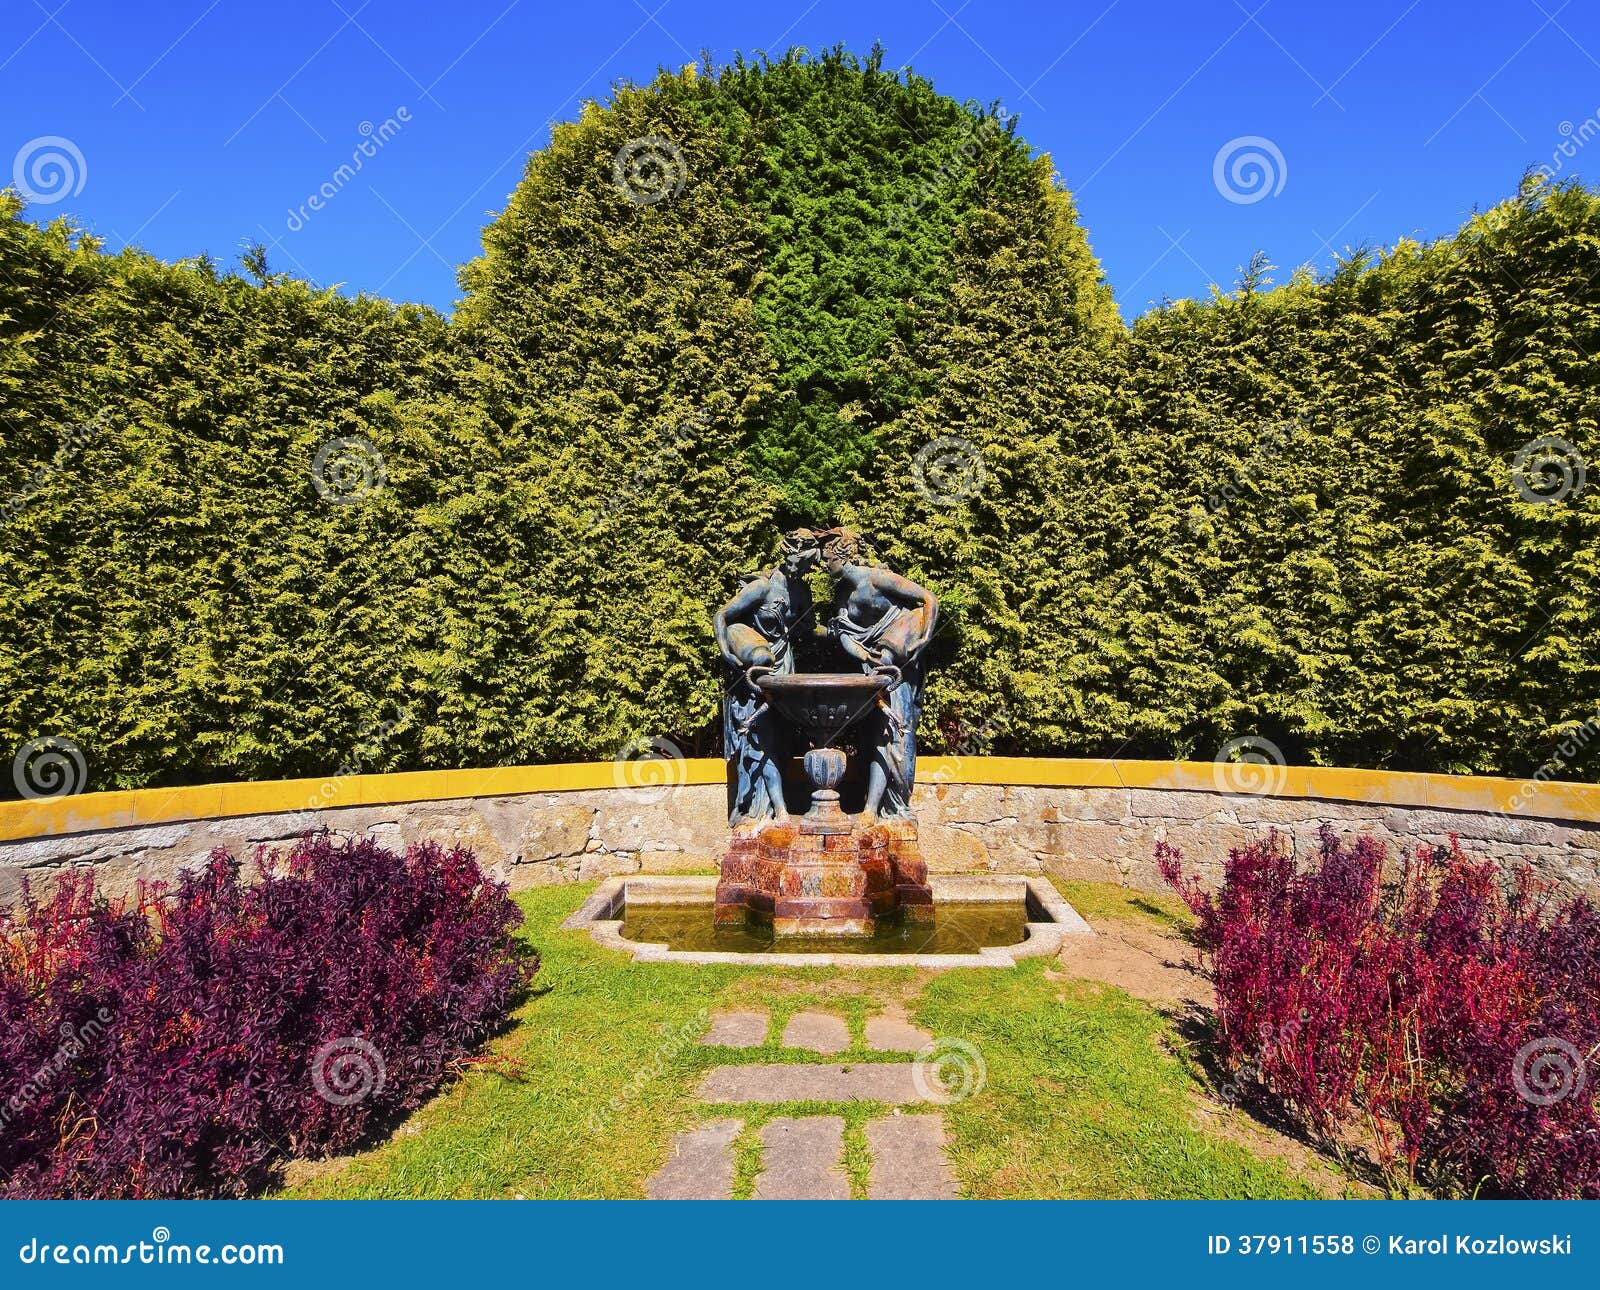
803,1160
701,1165
889,1034
821,1032
879,1082
908,1159
737,1030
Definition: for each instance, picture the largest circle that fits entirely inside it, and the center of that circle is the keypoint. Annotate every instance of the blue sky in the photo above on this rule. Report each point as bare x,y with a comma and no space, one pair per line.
199,125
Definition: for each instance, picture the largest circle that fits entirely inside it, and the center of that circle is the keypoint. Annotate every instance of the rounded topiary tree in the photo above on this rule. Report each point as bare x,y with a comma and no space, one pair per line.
743,298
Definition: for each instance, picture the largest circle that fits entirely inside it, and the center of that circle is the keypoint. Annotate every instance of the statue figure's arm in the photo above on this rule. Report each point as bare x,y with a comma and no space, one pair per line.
855,649
745,601
913,597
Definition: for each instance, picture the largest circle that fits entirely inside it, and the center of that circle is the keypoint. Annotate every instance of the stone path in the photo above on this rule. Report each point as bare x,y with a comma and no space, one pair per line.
737,1030
802,1157
895,1084
803,1160
901,1147
701,1167
821,1032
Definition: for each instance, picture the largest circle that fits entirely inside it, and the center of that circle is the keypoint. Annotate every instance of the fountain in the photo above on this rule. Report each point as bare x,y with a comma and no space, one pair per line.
827,873
845,882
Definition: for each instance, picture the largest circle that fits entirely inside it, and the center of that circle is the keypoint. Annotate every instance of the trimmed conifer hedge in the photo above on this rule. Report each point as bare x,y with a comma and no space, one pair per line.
1287,513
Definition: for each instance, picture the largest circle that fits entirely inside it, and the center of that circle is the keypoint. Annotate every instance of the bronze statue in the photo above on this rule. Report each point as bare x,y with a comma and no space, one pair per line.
884,621
826,873
756,632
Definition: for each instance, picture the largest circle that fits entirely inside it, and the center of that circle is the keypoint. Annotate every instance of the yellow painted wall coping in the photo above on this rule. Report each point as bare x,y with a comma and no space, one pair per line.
1548,799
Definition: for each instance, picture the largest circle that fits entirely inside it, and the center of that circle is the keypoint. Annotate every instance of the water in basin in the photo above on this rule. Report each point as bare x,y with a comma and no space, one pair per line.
957,928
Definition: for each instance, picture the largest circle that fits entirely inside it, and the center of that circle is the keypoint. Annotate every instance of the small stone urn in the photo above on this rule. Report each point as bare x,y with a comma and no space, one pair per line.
825,768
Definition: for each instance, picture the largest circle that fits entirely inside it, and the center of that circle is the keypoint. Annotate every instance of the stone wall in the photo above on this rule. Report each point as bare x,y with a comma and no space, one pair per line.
1109,834
1106,834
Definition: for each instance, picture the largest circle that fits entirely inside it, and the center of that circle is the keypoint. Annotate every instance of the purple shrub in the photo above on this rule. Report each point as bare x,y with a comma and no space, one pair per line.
1456,1015
186,1046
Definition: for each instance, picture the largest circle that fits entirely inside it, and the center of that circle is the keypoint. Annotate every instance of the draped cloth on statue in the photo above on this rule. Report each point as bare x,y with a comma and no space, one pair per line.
756,741
893,729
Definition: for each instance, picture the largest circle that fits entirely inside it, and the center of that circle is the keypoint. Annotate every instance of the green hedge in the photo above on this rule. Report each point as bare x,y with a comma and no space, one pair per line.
1282,512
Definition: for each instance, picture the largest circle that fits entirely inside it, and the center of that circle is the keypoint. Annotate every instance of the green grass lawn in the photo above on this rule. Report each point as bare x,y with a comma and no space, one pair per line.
1083,1094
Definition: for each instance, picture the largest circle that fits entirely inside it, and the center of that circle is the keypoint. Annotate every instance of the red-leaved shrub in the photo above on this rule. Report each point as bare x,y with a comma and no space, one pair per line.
1453,1011
185,1045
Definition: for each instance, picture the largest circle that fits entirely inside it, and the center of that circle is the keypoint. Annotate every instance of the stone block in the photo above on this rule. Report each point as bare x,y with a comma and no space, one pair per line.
1476,826
690,817
888,1033
737,1030
967,804
803,1159
1072,805
462,827
1067,868
701,1165
1081,839
676,862
1204,845
891,1082
597,865
908,1161
821,1032
548,832
1164,804
948,850
544,873
91,848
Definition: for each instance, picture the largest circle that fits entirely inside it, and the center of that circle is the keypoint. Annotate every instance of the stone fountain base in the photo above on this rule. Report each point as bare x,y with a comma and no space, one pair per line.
834,876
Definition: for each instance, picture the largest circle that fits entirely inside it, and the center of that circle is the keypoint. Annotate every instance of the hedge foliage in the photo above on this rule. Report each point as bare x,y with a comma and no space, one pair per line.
1280,512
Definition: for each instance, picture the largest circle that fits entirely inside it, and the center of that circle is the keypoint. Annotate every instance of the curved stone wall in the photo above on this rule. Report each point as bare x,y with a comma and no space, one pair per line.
1073,819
